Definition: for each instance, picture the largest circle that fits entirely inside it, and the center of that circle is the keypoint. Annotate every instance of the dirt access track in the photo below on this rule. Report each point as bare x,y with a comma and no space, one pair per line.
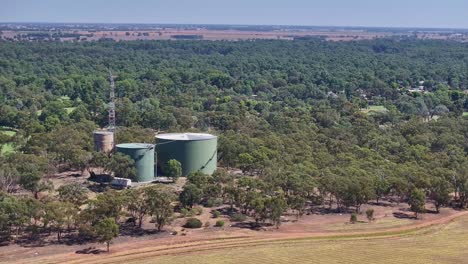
147,250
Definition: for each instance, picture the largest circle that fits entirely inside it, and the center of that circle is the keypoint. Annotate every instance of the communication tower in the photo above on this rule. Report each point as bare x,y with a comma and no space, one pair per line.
112,126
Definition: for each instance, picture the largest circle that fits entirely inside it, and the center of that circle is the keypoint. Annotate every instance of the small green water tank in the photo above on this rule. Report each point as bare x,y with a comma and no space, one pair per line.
143,155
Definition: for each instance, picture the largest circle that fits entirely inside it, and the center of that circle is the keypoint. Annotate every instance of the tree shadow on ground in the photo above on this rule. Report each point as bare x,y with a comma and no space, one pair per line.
90,250
324,211
252,225
46,239
75,239
227,210
401,215
5,242
129,229
403,209
101,182
381,203
33,240
98,188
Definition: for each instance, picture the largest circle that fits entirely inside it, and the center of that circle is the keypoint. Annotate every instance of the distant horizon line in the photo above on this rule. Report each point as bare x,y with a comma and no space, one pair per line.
246,25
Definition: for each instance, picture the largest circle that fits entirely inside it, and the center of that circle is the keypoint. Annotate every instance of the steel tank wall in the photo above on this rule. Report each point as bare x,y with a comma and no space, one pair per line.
143,155
194,155
103,141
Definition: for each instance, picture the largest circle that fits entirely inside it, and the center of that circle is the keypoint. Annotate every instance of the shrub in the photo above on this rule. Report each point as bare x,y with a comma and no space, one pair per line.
193,223
197,210
219,223
216,213
84,232
353,218
184,212
238,217
212,202
370,214
173,169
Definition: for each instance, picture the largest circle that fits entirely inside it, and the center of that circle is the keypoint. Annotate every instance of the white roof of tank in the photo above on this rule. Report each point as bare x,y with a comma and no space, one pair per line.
134,145
103,132
185,136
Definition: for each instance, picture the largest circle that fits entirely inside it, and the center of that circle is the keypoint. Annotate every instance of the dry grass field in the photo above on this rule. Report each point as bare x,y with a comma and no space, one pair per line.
437,244
438,241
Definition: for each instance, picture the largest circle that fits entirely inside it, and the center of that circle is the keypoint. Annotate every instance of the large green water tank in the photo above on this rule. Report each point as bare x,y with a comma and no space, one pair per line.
195,151
143,155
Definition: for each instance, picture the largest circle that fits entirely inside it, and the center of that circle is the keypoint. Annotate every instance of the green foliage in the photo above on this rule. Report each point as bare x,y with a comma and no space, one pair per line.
59,215
197,210
213,202
159,201
9,177
357,191
219,223
74,193
191,212
68,147
191,195
246,162
440,189
216,213
31,169
370,214
270,104
275,206
237,217
353,218
199,179
122,166
134,134
173,169
106,205
210,190
106,230
137,204
417,201
193,223
100,160
13,215
184,212
6,140
222,176
298,204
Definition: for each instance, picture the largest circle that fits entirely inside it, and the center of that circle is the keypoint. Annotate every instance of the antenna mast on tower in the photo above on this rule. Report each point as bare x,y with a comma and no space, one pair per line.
112,105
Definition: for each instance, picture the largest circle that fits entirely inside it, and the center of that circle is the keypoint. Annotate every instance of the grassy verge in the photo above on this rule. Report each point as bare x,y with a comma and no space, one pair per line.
374,109
7,148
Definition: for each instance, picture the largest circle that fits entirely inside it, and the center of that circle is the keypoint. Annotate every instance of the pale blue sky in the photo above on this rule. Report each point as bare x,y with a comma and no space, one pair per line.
394,13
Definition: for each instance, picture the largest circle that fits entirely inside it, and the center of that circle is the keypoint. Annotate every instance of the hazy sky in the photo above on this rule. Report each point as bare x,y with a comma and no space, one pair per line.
395,13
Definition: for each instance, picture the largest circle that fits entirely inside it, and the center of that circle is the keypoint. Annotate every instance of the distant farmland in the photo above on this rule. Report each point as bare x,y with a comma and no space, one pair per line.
212,34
